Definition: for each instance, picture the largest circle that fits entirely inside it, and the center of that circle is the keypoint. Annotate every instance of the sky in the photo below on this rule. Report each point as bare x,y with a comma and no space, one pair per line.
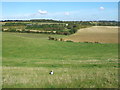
65,11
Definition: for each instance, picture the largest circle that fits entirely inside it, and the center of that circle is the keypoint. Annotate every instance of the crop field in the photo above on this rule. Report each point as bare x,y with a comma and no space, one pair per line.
101,34
28,58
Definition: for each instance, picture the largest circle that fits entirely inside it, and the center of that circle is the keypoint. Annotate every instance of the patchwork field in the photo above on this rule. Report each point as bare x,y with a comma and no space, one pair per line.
101,34
28,58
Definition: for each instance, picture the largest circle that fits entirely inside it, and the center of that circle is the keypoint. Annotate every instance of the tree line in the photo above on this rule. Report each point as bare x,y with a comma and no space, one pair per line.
99,23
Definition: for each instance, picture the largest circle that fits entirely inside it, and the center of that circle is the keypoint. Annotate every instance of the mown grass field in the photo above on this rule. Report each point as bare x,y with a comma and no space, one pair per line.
101,34
28,58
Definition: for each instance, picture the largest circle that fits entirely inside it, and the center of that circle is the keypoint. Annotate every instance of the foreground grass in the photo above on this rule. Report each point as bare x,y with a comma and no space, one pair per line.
28,58
38,77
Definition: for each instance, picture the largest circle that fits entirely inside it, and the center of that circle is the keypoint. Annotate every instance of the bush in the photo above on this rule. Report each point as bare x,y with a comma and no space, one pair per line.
69,41
12,29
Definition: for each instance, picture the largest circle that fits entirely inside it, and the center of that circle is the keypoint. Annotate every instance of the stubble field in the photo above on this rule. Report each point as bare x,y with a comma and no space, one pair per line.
101,34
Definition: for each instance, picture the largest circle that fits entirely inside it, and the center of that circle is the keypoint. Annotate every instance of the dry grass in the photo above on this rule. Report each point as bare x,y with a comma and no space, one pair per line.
101,34
72,78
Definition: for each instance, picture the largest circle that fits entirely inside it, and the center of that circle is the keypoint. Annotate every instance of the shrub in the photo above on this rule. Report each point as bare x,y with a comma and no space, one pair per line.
69,41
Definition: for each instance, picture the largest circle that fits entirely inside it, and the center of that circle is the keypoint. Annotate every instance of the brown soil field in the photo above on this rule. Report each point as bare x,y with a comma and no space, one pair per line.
101,34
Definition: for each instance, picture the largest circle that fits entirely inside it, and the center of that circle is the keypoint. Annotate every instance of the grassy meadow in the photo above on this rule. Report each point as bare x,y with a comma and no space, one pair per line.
28,58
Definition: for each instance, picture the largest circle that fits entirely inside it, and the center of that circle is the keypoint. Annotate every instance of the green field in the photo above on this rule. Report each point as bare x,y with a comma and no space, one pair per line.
28,58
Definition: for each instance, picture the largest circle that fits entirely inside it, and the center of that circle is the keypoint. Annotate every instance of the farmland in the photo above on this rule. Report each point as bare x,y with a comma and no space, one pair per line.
59,45
100,34
38,28
50,26
29,57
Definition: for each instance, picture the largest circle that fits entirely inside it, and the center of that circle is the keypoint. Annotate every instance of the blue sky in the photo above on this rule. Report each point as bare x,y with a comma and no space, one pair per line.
76,11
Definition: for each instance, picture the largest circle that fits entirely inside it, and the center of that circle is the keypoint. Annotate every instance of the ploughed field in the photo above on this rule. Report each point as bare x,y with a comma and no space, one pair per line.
100,34
28,58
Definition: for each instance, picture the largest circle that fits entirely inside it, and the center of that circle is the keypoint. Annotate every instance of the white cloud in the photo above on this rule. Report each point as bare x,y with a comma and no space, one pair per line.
42,12
102,8
67,13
